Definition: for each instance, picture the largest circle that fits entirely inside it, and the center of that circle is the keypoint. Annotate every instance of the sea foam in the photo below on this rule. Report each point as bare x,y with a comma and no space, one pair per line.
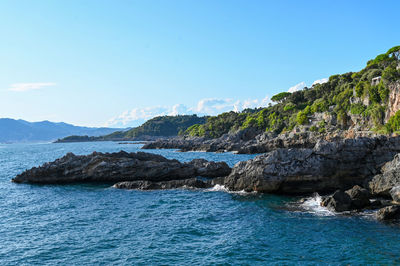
313,205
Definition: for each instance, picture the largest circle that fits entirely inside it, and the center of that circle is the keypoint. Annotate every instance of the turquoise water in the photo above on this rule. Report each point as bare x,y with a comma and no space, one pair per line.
96,224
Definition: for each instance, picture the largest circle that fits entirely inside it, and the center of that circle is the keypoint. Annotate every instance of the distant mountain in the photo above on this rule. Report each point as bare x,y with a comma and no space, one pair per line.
12,131
161,126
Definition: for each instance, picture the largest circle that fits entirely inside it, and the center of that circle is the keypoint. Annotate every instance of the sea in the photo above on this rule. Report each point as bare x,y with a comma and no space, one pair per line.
96,224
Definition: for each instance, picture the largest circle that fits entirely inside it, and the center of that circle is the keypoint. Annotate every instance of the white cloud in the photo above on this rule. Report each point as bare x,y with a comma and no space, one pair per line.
30,86
302,85
208,106
320,81
136,116
178,109
297,87
213,106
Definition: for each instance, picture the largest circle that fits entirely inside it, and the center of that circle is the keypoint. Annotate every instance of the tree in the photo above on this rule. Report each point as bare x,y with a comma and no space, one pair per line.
280,97
394,52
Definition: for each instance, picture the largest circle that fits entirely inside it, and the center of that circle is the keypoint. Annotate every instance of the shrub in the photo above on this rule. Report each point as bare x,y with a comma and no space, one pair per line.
319,106
383,92
373,73
394,123
376,113
249,122
390,74
357,109
289,107
373,94
302,117
360,88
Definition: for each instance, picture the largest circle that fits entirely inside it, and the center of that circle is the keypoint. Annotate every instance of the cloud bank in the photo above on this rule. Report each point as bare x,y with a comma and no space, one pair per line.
320,81
21,87
297,87
302,85
207,106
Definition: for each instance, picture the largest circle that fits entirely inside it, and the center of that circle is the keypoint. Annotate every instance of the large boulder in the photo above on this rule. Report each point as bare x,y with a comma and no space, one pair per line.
395,194
355,198
118,167
382,184
359,197
339,201
327,167
210,169
388,213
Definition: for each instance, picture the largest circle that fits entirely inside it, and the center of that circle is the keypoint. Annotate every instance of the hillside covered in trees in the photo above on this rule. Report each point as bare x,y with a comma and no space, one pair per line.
368,100
161,126
364,100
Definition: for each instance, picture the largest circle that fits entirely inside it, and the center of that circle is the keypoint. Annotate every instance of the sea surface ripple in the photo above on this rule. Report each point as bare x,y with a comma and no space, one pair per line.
96,224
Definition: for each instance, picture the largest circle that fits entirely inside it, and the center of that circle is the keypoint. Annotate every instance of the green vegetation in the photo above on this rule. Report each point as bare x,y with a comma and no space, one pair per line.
163,126
341,97
75,138
280,97
393,125
357,109
158,126
335,97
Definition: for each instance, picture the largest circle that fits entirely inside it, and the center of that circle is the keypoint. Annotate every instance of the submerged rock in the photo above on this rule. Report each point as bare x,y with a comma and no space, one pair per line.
117,167
327,167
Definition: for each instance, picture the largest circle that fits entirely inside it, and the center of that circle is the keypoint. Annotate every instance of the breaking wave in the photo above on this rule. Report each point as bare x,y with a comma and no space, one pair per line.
313,205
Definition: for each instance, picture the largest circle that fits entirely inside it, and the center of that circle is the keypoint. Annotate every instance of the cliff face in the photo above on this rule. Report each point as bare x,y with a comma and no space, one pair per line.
394,100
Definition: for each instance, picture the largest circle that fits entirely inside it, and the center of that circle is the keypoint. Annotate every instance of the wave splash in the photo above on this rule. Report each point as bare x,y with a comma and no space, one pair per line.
313,205
224,189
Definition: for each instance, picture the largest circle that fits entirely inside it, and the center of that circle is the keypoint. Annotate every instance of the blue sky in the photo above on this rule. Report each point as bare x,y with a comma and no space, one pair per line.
118,63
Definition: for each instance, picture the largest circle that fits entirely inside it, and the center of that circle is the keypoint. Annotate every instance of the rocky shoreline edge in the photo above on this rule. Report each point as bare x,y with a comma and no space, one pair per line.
362,173
252,141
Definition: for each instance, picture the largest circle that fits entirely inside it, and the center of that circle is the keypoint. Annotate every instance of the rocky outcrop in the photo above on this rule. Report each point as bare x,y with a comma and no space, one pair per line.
356,198
393,104
388,213
148,185
327,167
246,141
251,141
209,169
395,194
118,167
339,201
383,183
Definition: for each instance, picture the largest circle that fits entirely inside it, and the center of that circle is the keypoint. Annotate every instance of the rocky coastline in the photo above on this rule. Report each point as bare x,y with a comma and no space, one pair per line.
119,167
251,141
362,173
